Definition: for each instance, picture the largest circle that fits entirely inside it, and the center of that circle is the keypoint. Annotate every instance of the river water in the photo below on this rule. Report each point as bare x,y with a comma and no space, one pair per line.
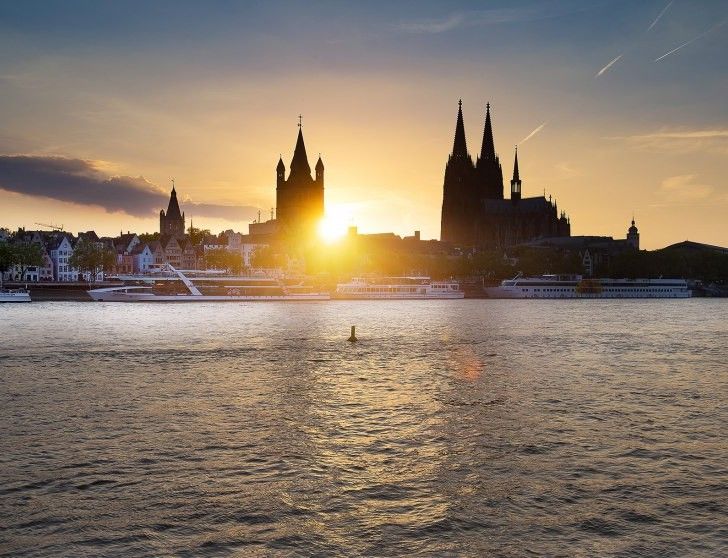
452,428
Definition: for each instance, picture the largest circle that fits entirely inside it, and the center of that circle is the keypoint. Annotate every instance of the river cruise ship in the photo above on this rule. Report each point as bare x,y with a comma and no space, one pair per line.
173,285
14,295
575,286
398,288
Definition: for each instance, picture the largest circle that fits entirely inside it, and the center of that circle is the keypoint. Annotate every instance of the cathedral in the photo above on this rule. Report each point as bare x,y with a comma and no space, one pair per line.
475,212
299,198
173,222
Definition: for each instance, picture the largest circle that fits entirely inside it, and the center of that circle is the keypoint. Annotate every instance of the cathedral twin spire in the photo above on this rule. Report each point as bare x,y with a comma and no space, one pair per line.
488,160
487,149
459,147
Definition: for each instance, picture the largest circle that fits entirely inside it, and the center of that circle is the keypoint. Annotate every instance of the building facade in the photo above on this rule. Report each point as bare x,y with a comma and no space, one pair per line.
60,250
475,212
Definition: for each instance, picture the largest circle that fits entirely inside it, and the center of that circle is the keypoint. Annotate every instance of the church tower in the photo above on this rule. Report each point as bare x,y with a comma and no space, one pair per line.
173,222
633,236
459,206
488,168
300,198
515,182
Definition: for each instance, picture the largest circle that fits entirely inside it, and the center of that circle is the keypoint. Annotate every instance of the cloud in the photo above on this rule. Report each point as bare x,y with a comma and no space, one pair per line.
432,26
567,170
605,68
481,18
690,134
682,188
533,133
83,182
671,141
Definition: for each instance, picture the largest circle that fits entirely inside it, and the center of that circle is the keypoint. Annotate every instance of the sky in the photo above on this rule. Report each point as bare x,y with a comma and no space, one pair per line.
618,108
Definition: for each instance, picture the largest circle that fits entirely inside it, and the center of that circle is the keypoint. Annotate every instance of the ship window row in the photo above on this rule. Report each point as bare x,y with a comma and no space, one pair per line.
379,289
552,290
608,289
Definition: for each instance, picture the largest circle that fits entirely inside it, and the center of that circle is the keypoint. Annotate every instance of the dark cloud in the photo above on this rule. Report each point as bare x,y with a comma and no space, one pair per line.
78,181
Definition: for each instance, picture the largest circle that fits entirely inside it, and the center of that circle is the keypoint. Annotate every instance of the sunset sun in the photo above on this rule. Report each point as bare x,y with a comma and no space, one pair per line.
336,222
332,227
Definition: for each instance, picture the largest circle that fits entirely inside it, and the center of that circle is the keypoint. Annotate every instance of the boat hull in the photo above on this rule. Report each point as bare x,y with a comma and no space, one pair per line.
500,292
403,296
15,296
112,296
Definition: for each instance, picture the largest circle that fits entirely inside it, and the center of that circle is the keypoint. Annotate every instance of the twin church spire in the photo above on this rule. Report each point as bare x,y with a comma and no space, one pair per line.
459,147
488,164
487,149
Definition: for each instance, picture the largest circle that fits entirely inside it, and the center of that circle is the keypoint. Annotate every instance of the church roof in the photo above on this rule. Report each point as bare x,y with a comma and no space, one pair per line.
166,239
524,205
299,163
696,246
580,242
139,248
173,211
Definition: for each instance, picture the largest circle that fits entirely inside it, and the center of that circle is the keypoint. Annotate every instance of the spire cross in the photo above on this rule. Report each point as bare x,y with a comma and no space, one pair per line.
300,118
460,103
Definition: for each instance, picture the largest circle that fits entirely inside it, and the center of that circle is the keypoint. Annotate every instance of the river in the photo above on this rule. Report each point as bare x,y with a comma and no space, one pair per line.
451,428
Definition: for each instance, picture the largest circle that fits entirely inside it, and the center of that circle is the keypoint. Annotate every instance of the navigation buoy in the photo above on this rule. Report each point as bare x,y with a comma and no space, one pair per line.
352,338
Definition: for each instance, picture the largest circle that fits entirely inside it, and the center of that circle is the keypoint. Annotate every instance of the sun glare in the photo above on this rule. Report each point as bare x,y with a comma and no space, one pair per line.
335,224
332,227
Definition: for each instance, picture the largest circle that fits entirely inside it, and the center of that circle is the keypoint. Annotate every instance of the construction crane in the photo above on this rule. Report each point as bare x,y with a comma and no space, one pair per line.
53,227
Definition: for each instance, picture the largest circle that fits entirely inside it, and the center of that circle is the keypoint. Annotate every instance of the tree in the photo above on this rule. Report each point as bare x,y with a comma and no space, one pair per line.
148,237
27,254
197,235
89,257
7,259
268,257
224,259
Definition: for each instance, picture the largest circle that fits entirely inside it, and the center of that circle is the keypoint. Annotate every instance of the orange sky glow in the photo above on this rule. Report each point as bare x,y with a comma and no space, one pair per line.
627,141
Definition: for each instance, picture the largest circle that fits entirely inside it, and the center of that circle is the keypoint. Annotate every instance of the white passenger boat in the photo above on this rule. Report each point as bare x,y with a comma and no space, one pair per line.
398,288
172,285
575,286
14,295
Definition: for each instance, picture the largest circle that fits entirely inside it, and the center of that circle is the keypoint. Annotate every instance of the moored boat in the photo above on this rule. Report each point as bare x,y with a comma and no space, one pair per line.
398,288
173,285
14,295
576,286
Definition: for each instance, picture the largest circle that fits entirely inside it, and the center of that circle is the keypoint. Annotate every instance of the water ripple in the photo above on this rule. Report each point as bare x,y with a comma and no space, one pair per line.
461,428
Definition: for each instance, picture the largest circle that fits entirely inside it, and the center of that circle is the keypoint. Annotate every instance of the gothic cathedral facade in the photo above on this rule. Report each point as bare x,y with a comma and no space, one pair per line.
475,212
